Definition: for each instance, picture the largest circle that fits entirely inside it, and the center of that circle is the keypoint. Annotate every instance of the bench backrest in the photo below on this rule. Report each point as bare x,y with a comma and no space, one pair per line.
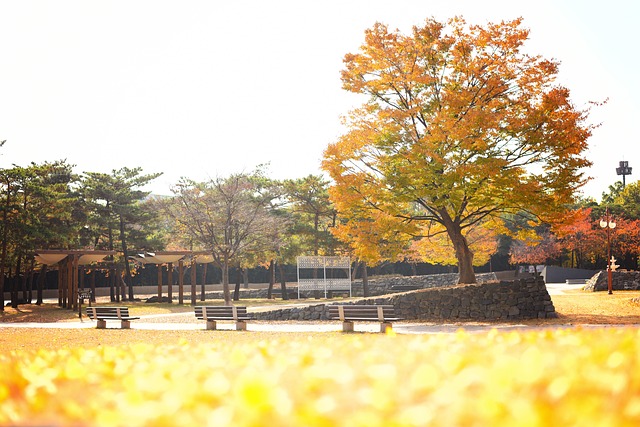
107,312
220,312
373,312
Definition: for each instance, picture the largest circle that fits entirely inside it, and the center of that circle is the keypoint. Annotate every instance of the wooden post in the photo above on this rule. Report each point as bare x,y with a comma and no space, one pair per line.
75,259
159,282
60,282
69,284
170,282
180,282
193,282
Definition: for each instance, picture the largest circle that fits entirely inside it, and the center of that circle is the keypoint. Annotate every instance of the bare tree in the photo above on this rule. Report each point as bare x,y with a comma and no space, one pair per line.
226,216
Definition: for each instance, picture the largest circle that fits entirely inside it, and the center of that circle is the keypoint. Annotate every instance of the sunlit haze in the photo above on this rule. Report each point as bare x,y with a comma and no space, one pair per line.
206,88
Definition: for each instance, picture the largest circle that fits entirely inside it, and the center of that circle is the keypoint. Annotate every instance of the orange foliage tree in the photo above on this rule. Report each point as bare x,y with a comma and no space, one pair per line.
460,127
626,241
536,250
483,241
581,237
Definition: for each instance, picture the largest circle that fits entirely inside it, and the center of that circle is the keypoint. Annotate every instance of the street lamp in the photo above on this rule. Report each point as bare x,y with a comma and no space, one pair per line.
609,224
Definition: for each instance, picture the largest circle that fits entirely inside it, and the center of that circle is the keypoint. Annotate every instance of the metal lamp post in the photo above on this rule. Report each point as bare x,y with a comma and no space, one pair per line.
609,224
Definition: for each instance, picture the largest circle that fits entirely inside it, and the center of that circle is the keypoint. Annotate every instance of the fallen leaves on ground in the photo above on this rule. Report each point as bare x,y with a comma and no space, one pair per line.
563,377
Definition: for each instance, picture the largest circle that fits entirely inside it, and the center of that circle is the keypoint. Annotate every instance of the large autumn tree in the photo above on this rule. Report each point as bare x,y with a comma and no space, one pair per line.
460,127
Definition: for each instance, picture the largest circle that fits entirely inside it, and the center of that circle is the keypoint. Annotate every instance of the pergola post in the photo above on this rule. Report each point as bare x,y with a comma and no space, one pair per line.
69,287
74,282
193,281
70,265
159,282
180,282
170,282
61,271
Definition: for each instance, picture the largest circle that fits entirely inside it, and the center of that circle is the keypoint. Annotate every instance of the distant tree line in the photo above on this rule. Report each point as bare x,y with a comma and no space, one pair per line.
250,221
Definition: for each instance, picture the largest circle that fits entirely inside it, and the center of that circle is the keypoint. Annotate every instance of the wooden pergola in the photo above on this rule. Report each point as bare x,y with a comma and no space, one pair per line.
170,258
69,263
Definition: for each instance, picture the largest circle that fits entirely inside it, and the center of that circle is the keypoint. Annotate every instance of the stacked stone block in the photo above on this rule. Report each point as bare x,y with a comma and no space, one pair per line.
517,300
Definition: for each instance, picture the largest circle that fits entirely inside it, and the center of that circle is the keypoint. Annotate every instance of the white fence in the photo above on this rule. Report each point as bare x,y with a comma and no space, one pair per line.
328,273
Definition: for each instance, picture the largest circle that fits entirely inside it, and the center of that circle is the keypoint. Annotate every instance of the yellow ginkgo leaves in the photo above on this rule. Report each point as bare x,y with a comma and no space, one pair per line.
518,378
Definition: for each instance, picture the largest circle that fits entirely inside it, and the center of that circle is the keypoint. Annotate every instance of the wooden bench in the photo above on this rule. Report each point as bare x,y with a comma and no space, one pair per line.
348,313
576,281
102,314
211,313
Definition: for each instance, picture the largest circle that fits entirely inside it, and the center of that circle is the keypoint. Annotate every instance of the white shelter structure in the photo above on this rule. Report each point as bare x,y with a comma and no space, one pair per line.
324,273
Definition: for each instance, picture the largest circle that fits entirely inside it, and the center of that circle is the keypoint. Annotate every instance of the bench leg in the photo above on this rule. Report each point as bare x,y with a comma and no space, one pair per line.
211,325
384,326
347,326
125,324
102,324
241,325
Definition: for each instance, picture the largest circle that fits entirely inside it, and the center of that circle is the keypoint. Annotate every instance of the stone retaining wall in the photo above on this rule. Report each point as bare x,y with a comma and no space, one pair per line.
517,300
382,285
395,284
620,281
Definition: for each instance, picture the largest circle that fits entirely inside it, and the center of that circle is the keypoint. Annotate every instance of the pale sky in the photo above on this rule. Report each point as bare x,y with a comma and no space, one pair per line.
207,88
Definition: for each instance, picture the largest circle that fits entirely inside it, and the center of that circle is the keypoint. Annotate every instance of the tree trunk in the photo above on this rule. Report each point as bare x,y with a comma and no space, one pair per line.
14,284
30,281
465,260
118,284
112,276
193,281
23,284
236,291
3,255
41,280
461,246
93,285
283,281
354,272
365,280
128,279
204,281
272,278
245,277
225,280
123,286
